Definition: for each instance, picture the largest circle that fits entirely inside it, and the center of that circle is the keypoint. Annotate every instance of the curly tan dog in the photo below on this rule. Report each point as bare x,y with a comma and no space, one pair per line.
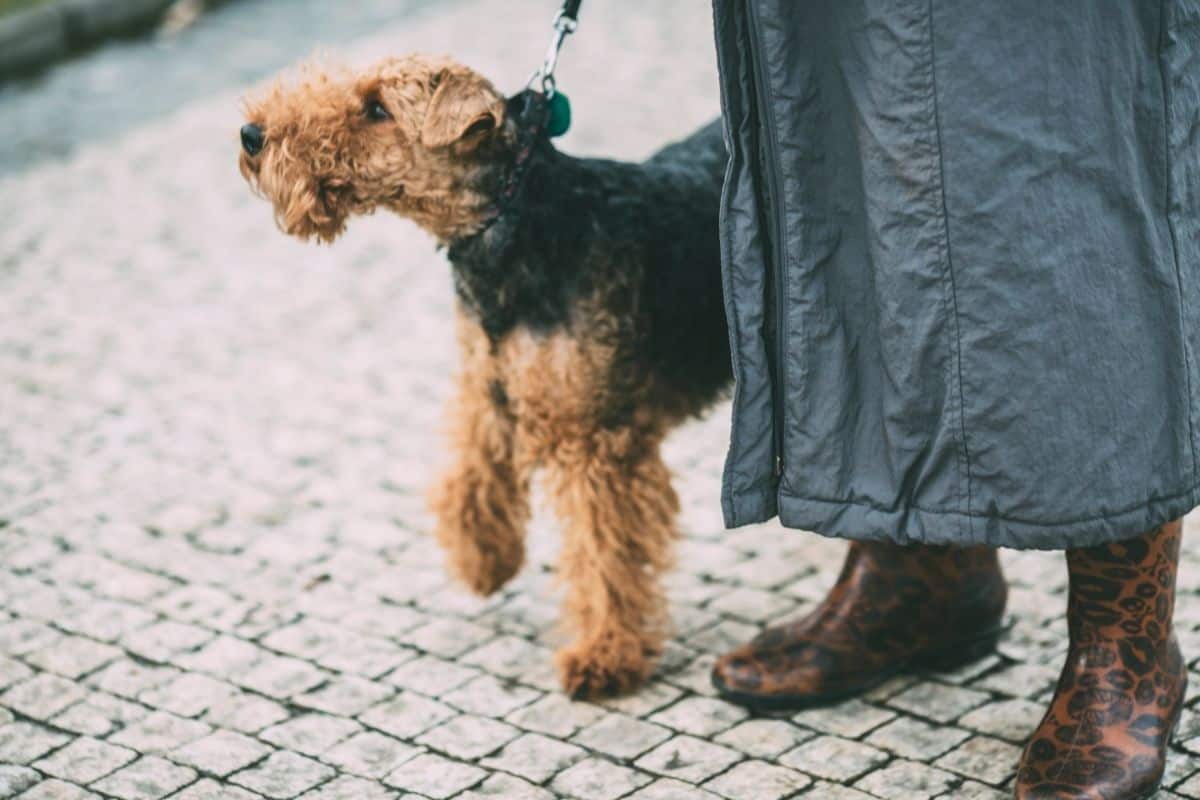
590,319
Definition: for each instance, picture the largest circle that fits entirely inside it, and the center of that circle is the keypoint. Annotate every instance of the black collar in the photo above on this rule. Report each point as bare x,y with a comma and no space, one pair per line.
531,111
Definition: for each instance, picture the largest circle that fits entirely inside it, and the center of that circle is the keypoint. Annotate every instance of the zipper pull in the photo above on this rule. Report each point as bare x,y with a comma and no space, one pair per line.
778,465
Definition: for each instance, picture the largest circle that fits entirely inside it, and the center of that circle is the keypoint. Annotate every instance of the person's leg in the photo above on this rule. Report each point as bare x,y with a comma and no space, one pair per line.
893,608
1122,688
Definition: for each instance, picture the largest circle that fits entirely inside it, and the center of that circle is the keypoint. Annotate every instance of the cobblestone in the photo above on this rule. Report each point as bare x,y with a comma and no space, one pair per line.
535,757
311,734
834,759
490,696
159,732
431,675
670,789
23,636
688,758
700,716
912,738
1190,788
1008,719
99,715
23,742
189,695
54,789
346,696
597,779
128,678
216,578
211,790
555,715
621,737
245,713
764,738
14,780
758,779
851,719
970,790
42,696
148,778
12,671
407,716
220,753
907,780
434,776
938,702
283,775
831,791
280,677
369,754
85,760
647,701
72,656
468,737
981,758
350,788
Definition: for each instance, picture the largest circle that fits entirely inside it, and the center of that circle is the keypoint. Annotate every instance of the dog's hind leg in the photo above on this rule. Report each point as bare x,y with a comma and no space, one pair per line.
614,494
482,502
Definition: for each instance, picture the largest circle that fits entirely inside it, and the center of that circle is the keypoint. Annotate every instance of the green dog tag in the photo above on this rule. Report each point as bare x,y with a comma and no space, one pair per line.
559,120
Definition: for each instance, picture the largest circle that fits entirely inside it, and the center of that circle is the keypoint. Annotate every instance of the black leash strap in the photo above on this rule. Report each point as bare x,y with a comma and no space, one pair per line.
570,9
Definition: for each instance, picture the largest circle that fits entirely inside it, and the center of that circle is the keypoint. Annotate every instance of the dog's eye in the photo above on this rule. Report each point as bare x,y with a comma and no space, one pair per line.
375,111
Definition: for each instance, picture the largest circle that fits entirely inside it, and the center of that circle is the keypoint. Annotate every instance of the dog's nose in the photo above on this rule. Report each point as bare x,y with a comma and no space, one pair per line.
252,138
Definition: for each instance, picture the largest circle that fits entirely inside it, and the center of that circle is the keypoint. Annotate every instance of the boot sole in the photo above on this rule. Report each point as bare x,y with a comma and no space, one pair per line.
944,659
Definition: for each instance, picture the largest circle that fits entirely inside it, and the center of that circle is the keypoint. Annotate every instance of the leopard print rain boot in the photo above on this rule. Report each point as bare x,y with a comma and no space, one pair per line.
893,609
1121,691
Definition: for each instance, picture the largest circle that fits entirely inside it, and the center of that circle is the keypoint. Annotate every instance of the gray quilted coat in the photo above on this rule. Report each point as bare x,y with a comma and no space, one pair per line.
961,251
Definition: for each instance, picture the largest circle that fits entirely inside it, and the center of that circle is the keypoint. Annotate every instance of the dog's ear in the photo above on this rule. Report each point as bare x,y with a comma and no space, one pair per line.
463,105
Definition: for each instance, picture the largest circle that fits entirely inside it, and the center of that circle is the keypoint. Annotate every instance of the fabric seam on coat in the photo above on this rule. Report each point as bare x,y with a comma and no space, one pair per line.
1003,517
944,246
778,211
1168,144
849,521
735,328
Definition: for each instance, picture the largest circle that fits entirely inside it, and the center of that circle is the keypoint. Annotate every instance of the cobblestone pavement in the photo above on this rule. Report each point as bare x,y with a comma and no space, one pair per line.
215,574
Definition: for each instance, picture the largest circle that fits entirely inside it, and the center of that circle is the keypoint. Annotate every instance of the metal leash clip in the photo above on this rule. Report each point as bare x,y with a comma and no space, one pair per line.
565,23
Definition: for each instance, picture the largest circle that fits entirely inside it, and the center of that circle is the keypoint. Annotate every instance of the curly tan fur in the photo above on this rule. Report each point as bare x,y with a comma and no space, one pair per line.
533,402
482,502
613,492
560,377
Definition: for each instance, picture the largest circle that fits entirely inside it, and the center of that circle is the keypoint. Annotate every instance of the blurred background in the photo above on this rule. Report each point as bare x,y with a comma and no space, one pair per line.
215,574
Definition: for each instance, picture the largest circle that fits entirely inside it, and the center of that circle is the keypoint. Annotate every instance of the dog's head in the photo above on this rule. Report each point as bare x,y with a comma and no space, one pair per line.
425,137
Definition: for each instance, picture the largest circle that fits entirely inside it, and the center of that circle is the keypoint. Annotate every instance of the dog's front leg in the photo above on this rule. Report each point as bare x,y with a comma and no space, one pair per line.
618,507
482,502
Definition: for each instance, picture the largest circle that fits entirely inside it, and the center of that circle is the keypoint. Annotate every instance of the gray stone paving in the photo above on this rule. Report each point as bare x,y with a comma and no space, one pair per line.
215,575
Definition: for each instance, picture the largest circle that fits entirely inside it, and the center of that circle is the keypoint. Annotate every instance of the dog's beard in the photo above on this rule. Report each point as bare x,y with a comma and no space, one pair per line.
304,206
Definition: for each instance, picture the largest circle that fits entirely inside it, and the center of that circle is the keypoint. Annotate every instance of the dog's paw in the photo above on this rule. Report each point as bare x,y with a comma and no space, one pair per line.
483,562
603,669
485,573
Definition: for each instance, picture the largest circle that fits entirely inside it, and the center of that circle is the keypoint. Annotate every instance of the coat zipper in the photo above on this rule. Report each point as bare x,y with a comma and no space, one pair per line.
774,228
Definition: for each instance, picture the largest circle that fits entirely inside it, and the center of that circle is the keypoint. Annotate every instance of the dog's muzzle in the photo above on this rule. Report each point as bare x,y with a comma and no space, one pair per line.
252,139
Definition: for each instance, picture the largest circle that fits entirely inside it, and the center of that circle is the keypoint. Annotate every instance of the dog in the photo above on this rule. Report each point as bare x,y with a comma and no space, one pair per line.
590,319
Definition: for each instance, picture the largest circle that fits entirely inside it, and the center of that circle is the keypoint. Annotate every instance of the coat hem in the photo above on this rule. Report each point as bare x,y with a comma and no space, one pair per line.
849,520
758,504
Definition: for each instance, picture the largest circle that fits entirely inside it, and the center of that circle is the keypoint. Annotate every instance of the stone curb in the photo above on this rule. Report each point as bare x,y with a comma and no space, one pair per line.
39,36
